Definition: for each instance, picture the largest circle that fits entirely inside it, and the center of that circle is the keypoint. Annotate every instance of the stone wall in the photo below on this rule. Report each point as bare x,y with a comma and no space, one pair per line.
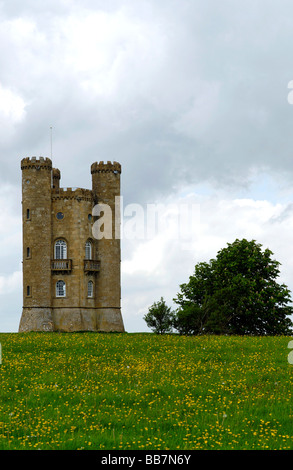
43,225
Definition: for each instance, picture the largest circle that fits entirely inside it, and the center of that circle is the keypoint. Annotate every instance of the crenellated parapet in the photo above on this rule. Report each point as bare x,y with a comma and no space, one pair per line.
79,194
56,174
108,167
37,163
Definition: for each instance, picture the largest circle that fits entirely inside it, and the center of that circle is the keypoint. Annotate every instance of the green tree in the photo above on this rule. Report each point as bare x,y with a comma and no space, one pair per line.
236,293
159,317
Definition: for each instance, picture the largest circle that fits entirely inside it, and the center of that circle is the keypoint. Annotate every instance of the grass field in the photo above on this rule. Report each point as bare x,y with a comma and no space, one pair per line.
142,391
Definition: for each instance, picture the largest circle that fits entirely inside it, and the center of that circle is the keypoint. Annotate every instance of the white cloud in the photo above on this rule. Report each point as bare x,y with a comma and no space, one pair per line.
11,106
111,51
156,268
12,112
10,221
180,93
146,258
11,284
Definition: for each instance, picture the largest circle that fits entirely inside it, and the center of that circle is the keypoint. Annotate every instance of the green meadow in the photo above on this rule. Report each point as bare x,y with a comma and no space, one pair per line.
145,391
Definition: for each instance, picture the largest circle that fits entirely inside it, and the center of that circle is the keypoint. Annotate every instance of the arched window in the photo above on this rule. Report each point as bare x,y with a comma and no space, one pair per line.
60,289
60,249
88,250
90,289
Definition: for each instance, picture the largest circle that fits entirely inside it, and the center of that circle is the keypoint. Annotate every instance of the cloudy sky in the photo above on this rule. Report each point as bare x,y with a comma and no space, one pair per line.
190,96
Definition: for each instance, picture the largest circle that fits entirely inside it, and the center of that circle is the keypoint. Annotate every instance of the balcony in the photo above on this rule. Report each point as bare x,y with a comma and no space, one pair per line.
61,265
91,266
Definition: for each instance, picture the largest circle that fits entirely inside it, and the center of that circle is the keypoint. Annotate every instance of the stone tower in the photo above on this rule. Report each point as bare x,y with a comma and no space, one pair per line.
106,190
71,281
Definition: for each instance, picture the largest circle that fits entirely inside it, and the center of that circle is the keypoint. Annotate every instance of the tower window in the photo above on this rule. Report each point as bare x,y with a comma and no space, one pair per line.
90,289
60,289
28,291
28,214
88,250
28,252
60,249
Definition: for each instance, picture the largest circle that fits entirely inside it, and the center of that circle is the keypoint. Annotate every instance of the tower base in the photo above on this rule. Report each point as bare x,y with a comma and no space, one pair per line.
71,319
74,319
36,319
110,319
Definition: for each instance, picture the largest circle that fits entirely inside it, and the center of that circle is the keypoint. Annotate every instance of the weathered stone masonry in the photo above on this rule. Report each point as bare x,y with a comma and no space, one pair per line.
71,281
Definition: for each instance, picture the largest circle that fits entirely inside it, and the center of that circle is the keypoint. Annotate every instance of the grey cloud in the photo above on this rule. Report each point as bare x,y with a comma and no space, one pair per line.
285,215
206,100
182,93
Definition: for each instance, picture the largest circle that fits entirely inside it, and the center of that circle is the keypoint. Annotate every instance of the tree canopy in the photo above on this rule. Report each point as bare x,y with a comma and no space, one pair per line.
235,293
159,317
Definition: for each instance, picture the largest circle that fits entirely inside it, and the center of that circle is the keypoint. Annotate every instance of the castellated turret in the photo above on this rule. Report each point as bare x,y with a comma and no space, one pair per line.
106,190
71,280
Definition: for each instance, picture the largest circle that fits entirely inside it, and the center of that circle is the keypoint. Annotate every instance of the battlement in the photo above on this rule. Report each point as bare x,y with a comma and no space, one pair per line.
37,163
79,194
108,167
56,174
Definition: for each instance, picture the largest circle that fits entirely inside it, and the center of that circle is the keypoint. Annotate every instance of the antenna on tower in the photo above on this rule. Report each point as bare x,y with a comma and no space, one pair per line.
51,139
